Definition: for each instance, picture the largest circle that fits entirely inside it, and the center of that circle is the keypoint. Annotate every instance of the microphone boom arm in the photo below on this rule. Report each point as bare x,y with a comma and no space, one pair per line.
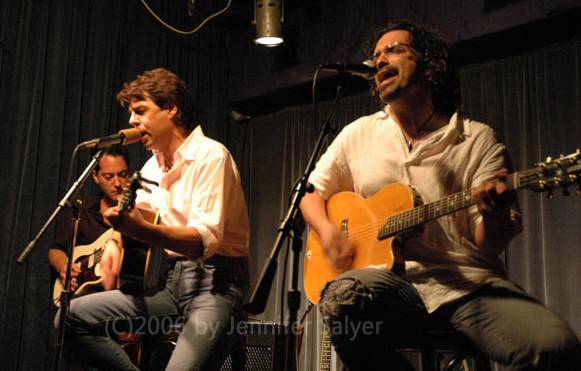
64,202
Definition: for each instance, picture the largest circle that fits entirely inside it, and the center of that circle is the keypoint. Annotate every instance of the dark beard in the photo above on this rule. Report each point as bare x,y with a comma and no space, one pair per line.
389,94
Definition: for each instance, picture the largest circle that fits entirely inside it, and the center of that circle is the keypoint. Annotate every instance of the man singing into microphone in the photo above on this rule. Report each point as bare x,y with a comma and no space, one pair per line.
204,230
448,274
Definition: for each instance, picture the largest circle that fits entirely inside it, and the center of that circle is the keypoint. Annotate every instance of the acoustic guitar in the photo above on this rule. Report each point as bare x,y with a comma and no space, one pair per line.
372,224
141,267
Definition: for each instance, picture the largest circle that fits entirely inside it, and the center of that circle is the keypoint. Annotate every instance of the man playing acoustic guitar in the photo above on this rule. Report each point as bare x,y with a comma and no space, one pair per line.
203,229
447,274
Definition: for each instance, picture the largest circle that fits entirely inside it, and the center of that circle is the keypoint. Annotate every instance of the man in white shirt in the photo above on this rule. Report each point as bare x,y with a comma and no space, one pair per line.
448,274
203,229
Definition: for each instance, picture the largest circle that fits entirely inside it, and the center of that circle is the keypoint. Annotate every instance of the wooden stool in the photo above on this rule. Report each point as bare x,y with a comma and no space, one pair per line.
132,345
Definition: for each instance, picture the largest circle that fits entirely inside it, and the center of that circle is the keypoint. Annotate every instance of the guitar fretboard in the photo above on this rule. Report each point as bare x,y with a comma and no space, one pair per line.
409,219
91,260
325,363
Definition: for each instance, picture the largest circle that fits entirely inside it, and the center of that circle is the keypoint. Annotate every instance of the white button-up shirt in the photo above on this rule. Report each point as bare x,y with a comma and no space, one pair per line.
202,190
443,263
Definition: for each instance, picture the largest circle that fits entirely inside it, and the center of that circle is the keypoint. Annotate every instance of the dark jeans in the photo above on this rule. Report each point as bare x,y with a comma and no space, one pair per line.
368,311
204,298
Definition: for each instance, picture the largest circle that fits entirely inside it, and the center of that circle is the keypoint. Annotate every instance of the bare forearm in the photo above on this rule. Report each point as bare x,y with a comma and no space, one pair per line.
182,240
314,211
496,231
57,259
493,200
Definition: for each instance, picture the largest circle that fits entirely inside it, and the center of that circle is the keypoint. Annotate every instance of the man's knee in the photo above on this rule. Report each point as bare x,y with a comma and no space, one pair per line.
559,350
344,298
551,349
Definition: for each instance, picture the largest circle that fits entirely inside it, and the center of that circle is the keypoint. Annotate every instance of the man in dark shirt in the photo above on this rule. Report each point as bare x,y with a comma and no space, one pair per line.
110,175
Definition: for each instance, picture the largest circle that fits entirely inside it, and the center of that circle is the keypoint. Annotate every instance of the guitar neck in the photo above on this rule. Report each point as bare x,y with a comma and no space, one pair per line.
98,255
90,260
409,219
325,363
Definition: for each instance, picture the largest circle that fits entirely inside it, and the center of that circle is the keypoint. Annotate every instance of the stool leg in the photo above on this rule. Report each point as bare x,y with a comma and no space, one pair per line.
454,361
429,360
482,364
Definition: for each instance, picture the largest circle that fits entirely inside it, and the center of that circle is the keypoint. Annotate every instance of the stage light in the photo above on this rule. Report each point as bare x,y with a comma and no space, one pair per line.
268,18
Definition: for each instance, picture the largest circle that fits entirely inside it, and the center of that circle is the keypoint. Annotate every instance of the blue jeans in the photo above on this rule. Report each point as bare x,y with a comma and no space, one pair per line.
368,311
203,297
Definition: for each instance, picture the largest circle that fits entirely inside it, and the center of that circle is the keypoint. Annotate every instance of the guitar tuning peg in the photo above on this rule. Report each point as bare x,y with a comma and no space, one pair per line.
548,160
550,195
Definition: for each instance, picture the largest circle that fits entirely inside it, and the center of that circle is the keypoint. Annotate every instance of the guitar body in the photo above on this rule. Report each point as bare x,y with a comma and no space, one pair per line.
141,267
88,258
360,220
372,224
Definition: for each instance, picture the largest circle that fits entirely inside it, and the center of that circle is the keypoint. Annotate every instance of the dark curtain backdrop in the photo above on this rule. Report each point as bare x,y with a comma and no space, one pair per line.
61,63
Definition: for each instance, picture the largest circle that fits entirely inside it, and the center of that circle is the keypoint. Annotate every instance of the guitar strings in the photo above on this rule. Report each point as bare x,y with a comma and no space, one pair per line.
418,215
421,214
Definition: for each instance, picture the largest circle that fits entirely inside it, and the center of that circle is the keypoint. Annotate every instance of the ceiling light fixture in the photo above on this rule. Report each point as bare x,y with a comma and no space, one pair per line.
268,18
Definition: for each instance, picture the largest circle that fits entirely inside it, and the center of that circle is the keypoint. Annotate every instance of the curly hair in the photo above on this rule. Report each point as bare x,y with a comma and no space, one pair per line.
437,59
164,88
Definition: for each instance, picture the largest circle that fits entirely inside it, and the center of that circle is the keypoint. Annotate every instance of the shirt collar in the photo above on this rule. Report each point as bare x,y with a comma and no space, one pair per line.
456,124
186,151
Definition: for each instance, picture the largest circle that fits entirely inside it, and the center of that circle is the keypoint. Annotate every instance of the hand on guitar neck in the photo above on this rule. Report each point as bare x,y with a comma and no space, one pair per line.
493,200
131,222
494,197
126,217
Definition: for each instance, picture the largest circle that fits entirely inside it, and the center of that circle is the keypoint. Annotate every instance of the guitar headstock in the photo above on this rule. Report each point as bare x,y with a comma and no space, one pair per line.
127,200
561,172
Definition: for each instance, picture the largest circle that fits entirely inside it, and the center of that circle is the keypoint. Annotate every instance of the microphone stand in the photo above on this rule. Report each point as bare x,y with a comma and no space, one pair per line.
66,294
291,228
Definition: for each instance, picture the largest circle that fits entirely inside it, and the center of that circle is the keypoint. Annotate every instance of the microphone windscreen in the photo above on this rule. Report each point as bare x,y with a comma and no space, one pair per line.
130,136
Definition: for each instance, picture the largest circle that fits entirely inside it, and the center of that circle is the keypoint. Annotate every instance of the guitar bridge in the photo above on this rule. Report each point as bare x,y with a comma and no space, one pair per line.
345,227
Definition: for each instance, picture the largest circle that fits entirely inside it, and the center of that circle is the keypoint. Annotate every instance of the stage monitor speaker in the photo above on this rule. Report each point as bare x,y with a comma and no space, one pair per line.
262,348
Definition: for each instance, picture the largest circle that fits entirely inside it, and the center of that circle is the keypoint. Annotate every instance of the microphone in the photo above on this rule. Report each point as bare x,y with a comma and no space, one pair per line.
124,137
365,70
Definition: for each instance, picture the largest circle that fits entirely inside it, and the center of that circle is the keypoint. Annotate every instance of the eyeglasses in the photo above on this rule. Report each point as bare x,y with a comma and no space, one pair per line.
393,48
